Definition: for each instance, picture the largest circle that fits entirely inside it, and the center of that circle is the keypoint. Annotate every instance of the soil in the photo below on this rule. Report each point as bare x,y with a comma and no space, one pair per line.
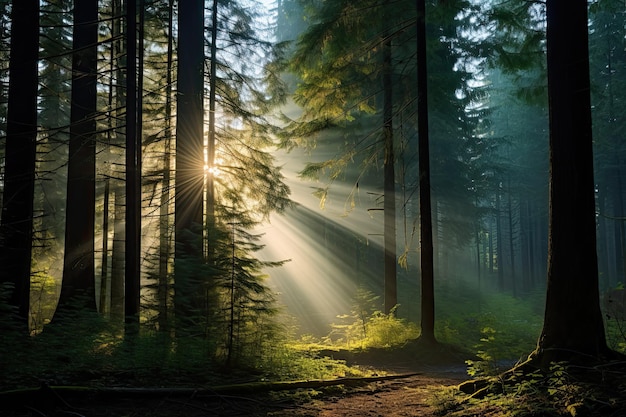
403,397
407,396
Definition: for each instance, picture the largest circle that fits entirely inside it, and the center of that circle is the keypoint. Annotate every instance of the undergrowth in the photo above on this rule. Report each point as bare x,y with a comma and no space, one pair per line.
500,329
364,327
559,391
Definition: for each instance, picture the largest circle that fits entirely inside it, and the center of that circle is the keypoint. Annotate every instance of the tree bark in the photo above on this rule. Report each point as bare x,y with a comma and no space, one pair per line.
210,174
78,287
16,228
573,328
189,126
132,284
426,224
164,213
189,180
389,210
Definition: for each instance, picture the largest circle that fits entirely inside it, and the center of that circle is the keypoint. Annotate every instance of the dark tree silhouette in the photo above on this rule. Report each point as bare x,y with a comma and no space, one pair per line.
132,282
389,181
573,326
189,154
78,267
16,229
426,226
189,125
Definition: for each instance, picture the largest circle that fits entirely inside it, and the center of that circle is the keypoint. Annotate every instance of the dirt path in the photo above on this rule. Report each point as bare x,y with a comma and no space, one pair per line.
395,398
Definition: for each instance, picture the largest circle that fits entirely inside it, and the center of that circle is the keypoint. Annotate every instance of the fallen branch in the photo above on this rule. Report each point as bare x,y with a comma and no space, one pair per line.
249,388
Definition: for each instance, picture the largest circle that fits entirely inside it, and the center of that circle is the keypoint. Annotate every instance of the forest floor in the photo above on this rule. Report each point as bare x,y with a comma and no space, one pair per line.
413,381
420,378
403,397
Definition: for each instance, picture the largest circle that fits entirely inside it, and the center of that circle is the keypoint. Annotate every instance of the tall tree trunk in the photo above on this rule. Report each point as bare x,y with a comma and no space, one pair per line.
426,226
16,228
189,155
210,174
105,281
78,267
389,204
132,284
118,249
164,214
573,329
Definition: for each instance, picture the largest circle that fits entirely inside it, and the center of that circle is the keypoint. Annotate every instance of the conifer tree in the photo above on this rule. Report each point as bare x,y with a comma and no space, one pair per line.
341,97
240,174
346,65
51,171
608,80
157,126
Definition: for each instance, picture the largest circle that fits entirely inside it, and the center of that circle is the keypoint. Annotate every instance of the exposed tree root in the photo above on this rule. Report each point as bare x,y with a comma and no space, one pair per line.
604,374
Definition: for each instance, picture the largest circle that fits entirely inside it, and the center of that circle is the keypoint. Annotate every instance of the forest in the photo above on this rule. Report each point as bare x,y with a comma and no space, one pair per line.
256,207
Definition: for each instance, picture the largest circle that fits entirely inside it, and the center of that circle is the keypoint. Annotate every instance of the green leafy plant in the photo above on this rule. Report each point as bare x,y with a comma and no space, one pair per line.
488,354
366,327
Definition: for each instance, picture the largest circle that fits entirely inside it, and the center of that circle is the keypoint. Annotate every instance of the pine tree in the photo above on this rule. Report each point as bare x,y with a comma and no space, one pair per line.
607,67
54,118
347,68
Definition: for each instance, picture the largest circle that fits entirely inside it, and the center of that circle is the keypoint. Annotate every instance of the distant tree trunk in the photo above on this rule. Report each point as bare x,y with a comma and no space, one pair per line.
603,267
573,329
189,155
105,278
103,306
132,284
117,252
511,237
389,210
118,249
78,268
541,247
16,228
499,239
477,241
491,254
426,226
525,242
618,213
164,222
210,186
